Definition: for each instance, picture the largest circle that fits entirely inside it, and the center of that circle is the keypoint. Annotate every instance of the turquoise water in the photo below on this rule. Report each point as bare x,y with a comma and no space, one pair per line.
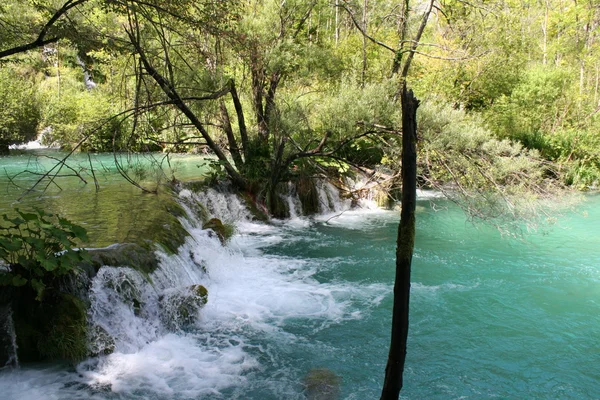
491,317
115,211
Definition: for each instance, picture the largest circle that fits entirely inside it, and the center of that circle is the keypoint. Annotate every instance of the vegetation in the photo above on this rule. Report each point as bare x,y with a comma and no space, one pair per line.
38,249
282,91
285,91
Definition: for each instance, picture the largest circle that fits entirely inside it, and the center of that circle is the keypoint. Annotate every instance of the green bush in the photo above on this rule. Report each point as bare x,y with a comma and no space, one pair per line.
19,114
38,248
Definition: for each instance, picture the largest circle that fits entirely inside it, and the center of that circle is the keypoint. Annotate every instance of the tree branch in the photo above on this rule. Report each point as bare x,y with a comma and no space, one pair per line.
41,39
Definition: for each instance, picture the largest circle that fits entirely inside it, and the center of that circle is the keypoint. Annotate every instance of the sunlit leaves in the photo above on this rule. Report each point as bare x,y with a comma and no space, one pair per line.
37,248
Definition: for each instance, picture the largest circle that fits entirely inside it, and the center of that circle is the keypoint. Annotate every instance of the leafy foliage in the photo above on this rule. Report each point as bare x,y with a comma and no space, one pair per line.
38,248
20,113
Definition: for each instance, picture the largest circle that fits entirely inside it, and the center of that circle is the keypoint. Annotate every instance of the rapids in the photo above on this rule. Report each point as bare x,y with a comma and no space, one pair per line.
491,317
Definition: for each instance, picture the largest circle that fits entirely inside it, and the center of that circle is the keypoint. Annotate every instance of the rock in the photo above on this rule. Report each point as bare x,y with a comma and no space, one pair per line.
99,341
224,232
55,329
180,307
322,384
123,255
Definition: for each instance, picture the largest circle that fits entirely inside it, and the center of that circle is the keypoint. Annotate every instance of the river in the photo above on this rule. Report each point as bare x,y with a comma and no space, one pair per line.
491,317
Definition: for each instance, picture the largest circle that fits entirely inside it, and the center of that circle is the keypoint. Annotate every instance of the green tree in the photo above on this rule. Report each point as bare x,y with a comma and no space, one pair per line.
20,114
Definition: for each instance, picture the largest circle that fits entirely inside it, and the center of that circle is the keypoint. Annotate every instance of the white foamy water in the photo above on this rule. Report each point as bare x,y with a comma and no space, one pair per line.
33,145
251,298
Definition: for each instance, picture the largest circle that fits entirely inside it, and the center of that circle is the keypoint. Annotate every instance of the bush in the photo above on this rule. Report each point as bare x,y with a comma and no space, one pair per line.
19,114
38,248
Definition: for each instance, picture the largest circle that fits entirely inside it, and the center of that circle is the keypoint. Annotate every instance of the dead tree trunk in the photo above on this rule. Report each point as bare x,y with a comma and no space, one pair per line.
404,250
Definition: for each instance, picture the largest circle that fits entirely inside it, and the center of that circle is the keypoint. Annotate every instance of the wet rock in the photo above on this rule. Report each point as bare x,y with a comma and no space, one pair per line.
99,341
180,307
122,255
322,384
224,232
55,329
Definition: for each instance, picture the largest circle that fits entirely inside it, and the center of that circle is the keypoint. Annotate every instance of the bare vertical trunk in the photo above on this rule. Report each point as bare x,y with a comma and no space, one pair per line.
337,22
364,44
545,32
404,250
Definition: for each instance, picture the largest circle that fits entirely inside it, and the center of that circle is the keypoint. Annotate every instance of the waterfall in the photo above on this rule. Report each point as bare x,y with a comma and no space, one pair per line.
157,335
329,198
8,339
87,76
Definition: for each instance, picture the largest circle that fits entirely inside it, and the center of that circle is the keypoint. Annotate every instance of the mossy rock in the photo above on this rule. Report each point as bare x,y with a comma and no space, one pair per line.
171,236
99,341
322,384
126,254
276,204
308,195
223,231
258,212
195,186
55,329
175,209
179,308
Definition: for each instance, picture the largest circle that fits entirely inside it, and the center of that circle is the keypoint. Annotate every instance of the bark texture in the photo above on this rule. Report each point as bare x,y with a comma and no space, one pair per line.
404,250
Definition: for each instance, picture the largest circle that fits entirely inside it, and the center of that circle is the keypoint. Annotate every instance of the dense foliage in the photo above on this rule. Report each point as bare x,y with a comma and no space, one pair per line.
268,81
38,248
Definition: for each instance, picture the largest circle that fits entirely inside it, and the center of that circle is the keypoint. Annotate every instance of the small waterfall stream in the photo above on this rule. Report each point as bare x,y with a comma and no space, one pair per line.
150,343
309,297
8,340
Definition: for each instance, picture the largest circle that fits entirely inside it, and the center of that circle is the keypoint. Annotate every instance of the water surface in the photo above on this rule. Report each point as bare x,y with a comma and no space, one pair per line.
491,317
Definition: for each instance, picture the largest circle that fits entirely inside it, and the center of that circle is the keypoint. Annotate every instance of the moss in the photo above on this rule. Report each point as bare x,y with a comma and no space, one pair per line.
223,231
308,195
195,186
132,255
277,206
171,236
175,209
258,212
322,384
51,330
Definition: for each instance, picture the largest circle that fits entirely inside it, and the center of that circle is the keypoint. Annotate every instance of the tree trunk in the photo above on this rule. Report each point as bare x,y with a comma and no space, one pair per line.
404,250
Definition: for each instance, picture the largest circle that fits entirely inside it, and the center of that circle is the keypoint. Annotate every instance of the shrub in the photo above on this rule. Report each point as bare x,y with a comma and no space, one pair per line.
38,248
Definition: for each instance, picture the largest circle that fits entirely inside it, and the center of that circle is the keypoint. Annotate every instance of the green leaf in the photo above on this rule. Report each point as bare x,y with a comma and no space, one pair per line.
28,216
15,221
49,263
80,232
11,245
39,288
18,280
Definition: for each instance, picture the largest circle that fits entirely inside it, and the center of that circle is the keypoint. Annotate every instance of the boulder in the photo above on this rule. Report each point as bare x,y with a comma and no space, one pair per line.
180,307
322,384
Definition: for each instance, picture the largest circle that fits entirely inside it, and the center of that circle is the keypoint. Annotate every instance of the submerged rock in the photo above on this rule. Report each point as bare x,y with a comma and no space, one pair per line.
180,307
322,384
223,231
99,341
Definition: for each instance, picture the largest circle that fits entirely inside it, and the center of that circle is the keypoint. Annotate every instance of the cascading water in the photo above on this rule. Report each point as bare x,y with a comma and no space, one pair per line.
8,339
296,301
148,346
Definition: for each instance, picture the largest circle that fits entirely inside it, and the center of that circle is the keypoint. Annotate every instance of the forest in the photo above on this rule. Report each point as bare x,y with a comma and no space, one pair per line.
509,87
283,94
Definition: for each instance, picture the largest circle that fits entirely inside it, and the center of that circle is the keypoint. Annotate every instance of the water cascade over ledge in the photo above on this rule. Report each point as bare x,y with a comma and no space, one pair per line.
288,307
